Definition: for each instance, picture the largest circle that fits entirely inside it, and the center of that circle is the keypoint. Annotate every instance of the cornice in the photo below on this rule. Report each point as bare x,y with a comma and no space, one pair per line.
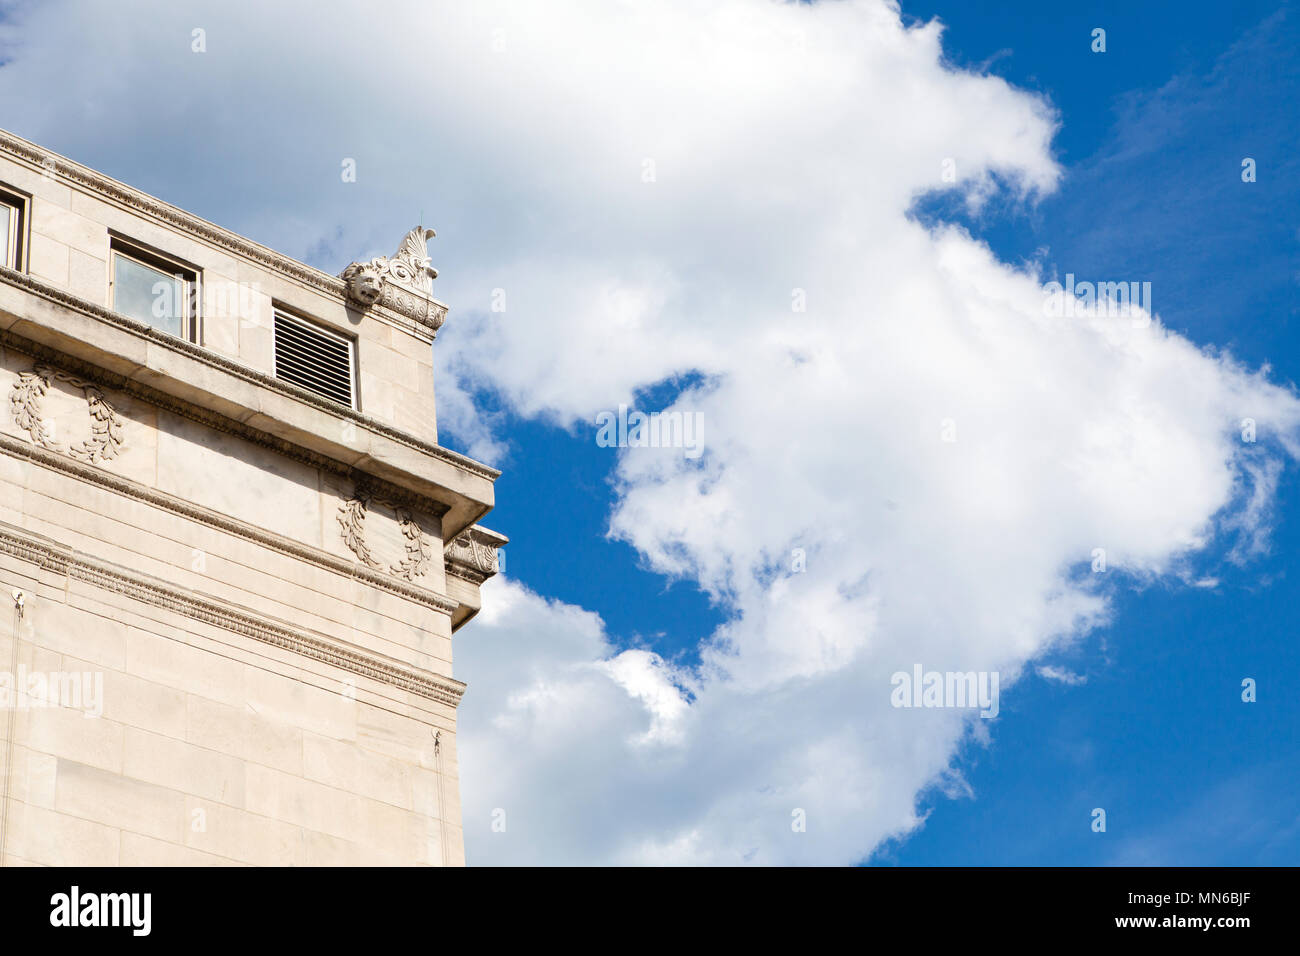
472,575
423,325
472,554
238,369
217,421
56,461
149,590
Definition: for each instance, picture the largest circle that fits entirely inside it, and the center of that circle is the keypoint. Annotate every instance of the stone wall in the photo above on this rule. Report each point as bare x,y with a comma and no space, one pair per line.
260,702
236,589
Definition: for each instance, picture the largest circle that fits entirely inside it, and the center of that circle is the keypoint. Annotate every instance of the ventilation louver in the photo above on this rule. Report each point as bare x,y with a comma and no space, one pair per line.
314,359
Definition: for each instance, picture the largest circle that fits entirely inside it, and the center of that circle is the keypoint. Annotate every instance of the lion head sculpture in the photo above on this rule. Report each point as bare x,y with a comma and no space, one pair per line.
402,282
365,282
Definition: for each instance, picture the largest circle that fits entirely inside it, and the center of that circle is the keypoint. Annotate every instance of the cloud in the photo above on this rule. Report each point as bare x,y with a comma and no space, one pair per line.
1061,675
718,195
825,432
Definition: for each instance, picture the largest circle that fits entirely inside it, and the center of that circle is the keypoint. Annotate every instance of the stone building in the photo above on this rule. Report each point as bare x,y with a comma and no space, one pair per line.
232,551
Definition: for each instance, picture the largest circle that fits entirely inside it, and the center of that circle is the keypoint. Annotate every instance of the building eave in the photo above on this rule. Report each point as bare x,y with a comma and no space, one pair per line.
121,353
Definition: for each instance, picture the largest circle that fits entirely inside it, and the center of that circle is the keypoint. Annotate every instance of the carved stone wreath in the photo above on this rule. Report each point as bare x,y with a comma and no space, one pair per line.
105,440
352,519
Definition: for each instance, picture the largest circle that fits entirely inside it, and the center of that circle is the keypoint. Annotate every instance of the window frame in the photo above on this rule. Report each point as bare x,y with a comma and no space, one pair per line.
280,310
190,277
20,205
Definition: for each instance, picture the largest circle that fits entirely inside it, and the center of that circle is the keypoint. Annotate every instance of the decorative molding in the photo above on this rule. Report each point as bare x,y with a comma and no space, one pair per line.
402,282
352,522
352,518
214,360
472,554
212,519
105,440
74,565
417,550
52,164
215,420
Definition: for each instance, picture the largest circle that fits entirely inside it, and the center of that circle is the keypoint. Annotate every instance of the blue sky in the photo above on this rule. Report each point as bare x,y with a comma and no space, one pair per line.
1158,735
527,161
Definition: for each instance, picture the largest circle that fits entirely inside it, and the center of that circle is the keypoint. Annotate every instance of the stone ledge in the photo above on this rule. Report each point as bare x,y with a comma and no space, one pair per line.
470,558
55,558
121,353
472,554
55,461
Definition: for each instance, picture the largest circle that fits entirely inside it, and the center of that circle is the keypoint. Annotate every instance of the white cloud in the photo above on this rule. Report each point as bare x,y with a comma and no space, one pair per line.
823,433
788,143
1053,672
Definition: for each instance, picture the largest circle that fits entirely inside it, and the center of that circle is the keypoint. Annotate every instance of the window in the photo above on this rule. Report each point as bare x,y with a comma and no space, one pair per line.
13,226
148,286
314,358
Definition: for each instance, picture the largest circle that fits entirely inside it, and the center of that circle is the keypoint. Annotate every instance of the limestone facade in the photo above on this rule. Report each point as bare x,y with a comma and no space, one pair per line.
226,599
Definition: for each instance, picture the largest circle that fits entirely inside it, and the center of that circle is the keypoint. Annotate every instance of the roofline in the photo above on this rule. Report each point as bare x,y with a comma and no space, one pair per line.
112,190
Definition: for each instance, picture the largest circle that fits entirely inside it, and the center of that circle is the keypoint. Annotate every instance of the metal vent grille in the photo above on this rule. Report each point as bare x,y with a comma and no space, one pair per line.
317,360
